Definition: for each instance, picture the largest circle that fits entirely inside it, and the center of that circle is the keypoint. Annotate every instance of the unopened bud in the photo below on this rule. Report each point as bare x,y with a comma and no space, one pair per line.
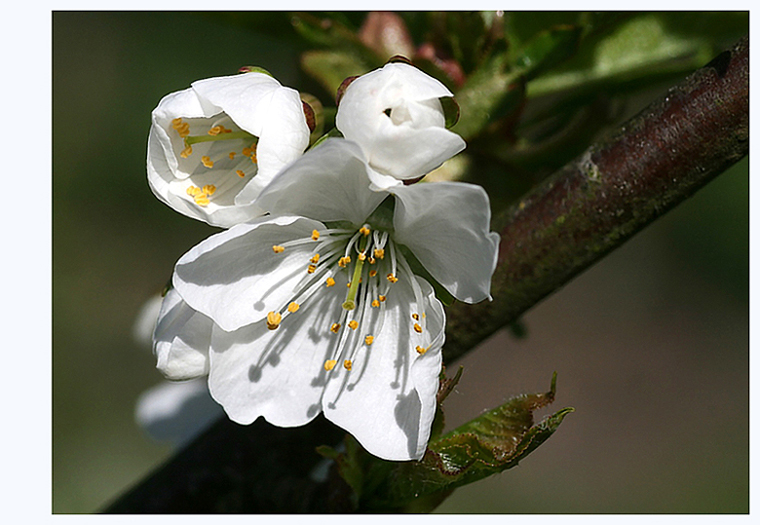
342,89
254,69
311,118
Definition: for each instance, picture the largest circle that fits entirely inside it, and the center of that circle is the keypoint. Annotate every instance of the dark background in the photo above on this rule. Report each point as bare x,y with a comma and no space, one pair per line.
651,346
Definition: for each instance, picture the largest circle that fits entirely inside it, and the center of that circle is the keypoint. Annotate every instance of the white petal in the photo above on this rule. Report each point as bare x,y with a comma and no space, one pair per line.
181,339
177,412
328,183
284,134
277,374
235,278
446,225
387,400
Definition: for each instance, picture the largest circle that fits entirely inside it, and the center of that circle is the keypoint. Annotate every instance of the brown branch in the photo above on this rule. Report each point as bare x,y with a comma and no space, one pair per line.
617,187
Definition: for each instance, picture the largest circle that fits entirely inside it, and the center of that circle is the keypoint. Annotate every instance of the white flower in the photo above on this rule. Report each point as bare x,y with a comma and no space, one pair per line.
395,115
214,146
322,311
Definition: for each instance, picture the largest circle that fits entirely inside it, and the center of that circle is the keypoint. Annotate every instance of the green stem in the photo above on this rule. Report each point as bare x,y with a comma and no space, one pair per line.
195,139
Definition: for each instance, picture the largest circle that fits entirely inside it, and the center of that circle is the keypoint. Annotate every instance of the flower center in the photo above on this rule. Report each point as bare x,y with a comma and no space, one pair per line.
217,155
370,264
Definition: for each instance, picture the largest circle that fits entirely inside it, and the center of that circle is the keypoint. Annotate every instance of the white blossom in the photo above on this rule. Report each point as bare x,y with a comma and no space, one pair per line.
214,146
317,307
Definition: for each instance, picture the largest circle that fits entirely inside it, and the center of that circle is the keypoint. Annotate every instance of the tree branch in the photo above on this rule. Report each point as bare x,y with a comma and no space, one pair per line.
617,187
574,218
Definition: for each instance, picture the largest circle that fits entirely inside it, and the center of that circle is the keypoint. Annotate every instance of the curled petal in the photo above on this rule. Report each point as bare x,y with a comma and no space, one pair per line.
181,339
387,399
446,225
235,277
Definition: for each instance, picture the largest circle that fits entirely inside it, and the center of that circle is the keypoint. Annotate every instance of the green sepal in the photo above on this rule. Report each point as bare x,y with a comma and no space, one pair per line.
333,133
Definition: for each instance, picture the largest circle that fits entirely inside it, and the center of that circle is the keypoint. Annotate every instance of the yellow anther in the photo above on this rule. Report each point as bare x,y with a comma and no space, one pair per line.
240,173
278,249
392,278
330,364
191,190
335,327
372,273
343,261
293,307
312,268
381,298
201,199
416,317
353,324
379,253
417,328
253,158
273,320
371,260
206,160
420,350
315,259
369,339
216,130
186,152
362,256
247,152
209,189
231,155
330,282
364,231
347,364
176,122
314,235
376,304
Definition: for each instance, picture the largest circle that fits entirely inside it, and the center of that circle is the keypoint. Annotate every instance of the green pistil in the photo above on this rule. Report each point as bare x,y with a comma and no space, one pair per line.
195,139
350,302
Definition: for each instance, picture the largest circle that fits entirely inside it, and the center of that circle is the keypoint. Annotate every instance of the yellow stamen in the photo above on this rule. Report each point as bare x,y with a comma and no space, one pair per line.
315,259
209,189
372,273
335,327
347,364
369,339
312,268
240,173
415,317
417,328
206,160
364,230
314,235
231,155
421,350
380,253
278,249
376,304
330,364
293,307
392,278
362,257
343,261
216,130
186,152
353,324
371,260
381,298
330,282
273,320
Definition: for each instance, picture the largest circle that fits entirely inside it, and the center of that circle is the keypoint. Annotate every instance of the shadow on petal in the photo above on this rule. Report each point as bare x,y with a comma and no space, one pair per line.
407,413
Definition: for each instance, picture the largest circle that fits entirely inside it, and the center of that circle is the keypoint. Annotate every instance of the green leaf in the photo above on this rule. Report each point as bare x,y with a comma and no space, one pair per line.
489,444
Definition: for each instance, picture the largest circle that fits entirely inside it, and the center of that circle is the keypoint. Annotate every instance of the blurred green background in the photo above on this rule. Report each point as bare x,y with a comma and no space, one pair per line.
651,345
